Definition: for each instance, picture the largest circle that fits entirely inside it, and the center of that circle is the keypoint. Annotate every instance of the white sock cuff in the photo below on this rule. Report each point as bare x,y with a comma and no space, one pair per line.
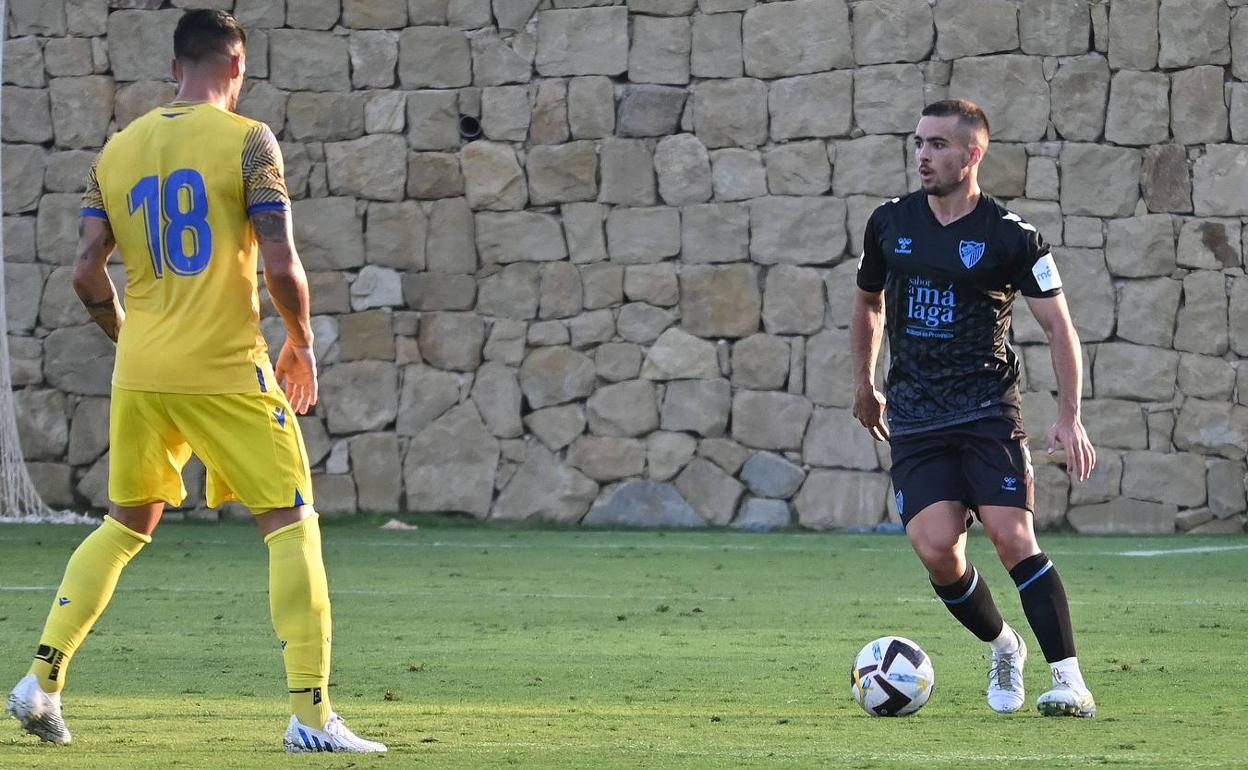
1069,669
1007,641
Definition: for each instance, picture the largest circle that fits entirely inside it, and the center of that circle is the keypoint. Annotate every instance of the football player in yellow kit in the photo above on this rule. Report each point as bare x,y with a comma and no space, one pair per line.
189,193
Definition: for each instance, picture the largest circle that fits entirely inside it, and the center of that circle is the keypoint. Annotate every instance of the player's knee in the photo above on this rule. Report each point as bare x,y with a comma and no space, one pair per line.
999,536
1013,544
940,558
141,519
272,520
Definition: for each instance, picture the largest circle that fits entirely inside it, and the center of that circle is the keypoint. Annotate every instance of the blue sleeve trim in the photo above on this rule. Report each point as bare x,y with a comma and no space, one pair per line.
89,211
270,206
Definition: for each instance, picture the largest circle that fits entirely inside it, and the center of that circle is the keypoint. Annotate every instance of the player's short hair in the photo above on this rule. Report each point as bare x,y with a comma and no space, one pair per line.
967,112
201,33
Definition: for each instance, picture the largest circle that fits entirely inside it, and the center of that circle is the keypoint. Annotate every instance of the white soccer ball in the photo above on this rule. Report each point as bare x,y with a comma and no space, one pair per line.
892,677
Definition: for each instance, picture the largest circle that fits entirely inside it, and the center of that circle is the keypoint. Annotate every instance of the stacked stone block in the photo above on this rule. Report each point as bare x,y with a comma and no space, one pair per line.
626,301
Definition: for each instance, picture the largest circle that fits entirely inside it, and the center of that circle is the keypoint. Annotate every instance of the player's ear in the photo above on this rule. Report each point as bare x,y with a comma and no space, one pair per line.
974,154
175,68
237,68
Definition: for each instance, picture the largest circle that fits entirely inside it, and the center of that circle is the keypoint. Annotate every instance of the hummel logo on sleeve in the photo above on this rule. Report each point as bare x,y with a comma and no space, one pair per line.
1010,216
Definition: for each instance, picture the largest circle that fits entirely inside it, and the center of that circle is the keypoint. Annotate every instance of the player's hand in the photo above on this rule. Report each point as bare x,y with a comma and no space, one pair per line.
869,406
1068,433
296,373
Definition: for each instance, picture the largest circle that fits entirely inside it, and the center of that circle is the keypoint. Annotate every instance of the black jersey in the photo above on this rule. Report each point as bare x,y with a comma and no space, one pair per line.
948,294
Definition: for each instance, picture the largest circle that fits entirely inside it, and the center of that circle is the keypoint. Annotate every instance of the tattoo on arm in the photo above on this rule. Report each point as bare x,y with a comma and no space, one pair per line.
96,244
271,226
103,241
105,315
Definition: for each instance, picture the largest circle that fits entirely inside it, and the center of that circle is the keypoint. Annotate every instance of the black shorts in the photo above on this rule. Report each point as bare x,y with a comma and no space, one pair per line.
984,462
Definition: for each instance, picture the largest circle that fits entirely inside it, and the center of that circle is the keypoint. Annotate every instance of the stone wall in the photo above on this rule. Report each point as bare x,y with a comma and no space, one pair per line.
628,300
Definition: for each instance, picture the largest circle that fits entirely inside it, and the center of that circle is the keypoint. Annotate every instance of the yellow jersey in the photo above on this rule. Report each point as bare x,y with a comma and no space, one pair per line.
178,187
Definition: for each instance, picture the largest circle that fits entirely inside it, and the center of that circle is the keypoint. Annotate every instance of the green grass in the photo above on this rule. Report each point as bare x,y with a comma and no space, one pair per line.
482,647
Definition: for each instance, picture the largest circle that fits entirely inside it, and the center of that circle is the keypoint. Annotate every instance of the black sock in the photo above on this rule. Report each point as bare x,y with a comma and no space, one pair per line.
970,601
1044,602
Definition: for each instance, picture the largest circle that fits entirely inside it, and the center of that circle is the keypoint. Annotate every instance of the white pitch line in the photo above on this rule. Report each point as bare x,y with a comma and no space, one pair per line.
607,546
831,549
549,596
1148,603
902,547
1195,549
827,755
479,546
370,592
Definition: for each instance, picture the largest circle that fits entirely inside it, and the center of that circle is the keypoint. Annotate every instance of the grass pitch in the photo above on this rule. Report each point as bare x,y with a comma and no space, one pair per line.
483,647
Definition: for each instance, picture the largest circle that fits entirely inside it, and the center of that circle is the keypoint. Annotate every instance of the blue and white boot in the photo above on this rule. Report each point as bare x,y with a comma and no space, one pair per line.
335,737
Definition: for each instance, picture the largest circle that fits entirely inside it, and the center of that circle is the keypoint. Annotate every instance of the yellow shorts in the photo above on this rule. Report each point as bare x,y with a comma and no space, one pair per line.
249,442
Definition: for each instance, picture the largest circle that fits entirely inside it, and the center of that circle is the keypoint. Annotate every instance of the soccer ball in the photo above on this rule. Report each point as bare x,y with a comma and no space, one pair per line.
892,677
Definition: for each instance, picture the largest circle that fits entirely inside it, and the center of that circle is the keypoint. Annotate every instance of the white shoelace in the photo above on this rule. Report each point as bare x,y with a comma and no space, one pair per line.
1003,671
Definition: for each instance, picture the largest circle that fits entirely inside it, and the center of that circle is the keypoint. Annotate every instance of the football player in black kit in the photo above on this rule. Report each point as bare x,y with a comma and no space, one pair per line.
940,270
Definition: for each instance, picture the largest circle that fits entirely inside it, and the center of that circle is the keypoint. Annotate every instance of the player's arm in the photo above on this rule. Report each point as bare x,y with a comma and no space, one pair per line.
284,274
91,281
95,245
288,287
1039,281
1054,317
866,333
268,205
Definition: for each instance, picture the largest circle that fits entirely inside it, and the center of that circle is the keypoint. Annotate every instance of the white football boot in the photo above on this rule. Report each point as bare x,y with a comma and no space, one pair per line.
1067,698
1005,679
38,711
335,737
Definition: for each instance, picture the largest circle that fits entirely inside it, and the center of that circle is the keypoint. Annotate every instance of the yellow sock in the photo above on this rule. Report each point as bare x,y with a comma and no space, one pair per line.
299,602
90,577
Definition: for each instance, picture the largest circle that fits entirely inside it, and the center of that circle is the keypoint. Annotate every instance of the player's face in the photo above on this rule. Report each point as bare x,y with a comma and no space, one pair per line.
945,154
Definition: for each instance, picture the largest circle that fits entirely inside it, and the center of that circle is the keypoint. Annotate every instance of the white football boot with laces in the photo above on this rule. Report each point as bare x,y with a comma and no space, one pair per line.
1005,679
335,737
1067,698
38,711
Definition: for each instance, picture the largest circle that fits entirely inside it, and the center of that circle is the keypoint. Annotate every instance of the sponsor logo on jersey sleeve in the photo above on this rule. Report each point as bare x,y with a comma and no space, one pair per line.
1045,271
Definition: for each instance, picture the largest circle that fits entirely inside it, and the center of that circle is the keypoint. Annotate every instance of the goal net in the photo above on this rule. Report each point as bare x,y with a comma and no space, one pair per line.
19,500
